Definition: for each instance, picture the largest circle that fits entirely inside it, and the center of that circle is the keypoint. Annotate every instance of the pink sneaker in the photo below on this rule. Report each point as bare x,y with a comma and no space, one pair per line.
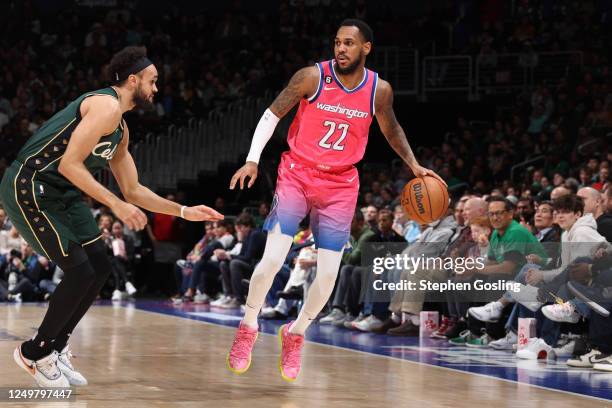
291,348
239,357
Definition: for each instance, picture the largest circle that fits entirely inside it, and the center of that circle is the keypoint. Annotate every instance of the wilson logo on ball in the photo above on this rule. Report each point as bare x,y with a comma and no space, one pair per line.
418,197
425,199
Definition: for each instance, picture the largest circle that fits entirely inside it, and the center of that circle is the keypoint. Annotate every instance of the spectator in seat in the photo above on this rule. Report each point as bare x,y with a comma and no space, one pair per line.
603,179
594,204
371,217
206,268
241,266
184,267
121,252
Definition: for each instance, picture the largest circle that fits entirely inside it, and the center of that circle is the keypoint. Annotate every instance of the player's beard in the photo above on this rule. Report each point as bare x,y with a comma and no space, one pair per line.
141,101
351,68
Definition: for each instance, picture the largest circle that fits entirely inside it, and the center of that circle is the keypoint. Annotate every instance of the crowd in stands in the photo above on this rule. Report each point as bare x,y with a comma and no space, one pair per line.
206,58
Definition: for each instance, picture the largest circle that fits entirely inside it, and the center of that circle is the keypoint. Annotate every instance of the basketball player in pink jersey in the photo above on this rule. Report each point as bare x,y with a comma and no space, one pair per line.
338,99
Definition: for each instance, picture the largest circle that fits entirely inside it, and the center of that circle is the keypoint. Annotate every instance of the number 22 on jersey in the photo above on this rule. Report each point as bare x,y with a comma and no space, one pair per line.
337,145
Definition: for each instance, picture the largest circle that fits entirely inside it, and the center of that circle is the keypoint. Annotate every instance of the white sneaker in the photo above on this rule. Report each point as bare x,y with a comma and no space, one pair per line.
201,298
604,364
45,371
15,298
334,315
348,324
232,303
66,367
489,313
587,360
505,343
12,281
130,289
368,324
267,310
116,295
222,300
536,349
565,350
182,263
527,296
561,313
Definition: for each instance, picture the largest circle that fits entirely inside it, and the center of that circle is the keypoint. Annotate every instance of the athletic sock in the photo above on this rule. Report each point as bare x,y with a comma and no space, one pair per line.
37,347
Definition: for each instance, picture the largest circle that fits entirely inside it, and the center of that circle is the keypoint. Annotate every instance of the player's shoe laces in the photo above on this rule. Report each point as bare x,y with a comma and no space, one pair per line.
290,359
45,370
239,357
66,367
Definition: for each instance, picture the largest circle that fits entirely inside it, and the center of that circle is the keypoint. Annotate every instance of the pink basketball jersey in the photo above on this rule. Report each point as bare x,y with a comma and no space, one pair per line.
331,127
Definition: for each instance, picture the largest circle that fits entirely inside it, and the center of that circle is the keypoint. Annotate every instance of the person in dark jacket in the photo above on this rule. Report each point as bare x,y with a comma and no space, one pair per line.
241,266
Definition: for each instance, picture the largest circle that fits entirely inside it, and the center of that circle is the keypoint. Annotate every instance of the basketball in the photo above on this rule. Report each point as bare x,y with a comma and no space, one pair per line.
425,199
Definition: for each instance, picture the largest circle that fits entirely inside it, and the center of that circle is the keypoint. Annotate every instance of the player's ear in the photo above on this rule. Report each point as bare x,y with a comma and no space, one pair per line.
133,80
367,47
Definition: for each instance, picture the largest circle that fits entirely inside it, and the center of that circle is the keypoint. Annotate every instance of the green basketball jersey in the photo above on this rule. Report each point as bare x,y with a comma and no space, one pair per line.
44,150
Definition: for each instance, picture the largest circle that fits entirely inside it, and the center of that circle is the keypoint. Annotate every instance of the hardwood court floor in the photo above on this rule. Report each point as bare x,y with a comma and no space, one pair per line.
134,358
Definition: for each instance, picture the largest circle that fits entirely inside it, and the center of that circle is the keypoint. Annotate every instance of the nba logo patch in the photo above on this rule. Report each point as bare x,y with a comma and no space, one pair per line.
328,79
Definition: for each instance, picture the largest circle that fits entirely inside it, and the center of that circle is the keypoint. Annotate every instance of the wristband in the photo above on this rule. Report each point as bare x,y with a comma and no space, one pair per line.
183,211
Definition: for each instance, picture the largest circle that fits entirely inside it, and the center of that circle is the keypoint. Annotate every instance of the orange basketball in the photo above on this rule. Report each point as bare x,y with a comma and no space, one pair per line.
425,199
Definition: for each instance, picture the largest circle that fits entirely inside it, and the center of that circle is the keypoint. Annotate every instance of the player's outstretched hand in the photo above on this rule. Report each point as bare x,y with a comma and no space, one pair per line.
420,171
248,170
201,213
131,215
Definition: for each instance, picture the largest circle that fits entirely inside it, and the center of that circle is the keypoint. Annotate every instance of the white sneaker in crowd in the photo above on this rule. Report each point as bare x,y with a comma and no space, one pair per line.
220,301
587,360
368,324
201,298
117,295
536,349
12,281
561,313
130,288
334,315
505,343
489,313
232,303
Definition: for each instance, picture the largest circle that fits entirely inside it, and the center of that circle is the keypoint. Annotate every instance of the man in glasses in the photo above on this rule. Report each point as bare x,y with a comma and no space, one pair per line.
508,248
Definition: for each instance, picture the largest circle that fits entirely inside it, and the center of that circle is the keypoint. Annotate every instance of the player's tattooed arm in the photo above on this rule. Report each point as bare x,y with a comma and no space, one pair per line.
303,84
393,131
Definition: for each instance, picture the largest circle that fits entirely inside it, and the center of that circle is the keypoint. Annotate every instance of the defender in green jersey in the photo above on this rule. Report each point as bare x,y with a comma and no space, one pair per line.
42,194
